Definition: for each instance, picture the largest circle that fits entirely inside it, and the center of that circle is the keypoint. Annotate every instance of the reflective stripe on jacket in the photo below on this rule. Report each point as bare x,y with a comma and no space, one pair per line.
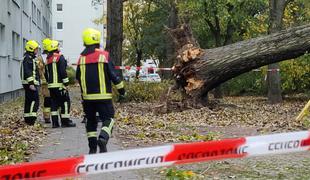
55,72
95,74
29,70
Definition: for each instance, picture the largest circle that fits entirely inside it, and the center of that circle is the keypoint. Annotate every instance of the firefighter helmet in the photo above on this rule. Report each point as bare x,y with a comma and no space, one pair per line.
46,42
54,45
31,46
91,36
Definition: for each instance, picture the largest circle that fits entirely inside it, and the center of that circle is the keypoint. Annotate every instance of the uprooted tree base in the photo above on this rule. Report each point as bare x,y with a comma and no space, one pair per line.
198,71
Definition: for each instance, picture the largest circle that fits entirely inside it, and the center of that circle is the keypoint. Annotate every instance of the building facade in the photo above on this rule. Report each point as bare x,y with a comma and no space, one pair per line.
20,21
69,21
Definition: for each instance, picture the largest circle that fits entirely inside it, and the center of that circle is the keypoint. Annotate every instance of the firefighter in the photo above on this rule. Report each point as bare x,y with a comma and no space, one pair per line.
58,81
31,81
44,87
95,74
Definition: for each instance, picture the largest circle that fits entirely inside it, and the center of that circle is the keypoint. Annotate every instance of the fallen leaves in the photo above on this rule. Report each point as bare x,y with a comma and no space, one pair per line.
234,116
17,140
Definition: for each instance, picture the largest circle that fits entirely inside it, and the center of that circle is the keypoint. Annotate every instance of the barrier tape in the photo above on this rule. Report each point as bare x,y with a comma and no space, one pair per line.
168,69
160,156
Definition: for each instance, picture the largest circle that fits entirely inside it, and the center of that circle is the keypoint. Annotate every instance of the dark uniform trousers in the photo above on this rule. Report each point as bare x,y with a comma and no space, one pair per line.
47,107
60,100
31,105
106,113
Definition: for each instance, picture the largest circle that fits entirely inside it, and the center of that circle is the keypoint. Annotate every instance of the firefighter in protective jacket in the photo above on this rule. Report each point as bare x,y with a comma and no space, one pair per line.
58,81
31,81
95,74
44,88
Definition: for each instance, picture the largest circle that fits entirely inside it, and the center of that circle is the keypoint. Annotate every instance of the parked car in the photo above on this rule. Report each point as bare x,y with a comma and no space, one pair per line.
143,78
153,78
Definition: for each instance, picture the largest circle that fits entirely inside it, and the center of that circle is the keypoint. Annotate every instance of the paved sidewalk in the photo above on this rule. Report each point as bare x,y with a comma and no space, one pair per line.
68,142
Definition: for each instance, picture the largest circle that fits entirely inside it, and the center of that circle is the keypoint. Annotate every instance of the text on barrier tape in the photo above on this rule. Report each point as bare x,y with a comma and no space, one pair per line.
160,156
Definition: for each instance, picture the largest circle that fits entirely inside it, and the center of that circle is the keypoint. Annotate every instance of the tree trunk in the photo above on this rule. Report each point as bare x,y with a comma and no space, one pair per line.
198,71
115,31
138,61
171,51
276,8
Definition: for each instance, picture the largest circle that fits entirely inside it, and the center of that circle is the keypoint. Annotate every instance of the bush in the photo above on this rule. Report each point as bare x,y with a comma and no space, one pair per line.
71,74
246,84
295,75
145,91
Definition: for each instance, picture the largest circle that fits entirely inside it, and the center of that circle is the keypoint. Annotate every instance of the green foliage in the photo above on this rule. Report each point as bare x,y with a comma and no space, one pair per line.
71,74
144,22
16,153
175,174
295,75
216,23
145,91
249,84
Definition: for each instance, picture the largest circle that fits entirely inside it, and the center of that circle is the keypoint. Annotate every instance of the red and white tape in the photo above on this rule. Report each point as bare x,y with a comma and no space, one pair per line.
140,68
160,156
137,68
268,70
169,69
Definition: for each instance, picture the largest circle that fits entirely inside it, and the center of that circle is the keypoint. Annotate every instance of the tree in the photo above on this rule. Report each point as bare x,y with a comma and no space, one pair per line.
144,30
200,70
134,22
173,21
276,8
115,31
219,22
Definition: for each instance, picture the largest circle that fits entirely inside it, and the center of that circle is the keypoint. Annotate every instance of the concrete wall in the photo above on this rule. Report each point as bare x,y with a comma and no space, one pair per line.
20,20
75,18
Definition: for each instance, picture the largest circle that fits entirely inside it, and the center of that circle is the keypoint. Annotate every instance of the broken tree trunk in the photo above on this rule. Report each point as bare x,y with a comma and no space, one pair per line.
200,70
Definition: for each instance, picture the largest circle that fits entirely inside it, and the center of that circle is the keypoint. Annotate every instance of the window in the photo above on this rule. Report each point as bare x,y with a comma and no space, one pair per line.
24,43
17,2
59,25
34,12
61,43
59,7
44,25
26,6
16,45
9,6
39,18
2,39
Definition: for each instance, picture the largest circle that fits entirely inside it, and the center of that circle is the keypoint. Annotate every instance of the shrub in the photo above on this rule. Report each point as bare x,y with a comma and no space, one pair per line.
295,75
145,91
249,84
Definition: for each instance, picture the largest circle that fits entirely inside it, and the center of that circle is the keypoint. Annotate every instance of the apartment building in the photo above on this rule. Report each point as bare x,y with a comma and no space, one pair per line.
70,18
20,21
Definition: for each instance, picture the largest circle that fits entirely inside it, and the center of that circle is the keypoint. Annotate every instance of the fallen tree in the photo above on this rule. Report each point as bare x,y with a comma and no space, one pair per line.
198,71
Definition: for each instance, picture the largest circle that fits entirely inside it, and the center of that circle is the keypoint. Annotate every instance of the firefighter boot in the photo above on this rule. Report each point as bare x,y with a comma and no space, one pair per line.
55,122
30,121
102,143
92,144
67,123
